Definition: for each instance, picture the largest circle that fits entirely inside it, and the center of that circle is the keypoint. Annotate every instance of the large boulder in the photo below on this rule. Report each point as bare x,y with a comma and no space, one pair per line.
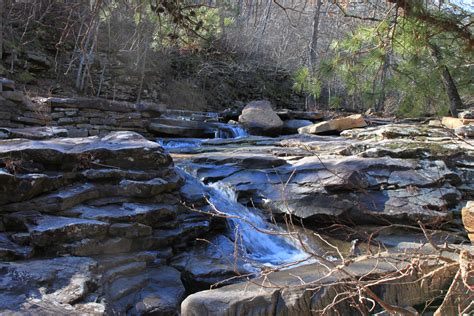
336,125
259,118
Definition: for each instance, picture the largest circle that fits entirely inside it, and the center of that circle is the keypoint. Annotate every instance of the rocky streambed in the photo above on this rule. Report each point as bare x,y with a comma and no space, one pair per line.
119,224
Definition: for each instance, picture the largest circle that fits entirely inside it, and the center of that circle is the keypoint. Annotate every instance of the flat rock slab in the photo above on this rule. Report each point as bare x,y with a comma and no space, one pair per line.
148,214
127,150
35,133
21,187
50,230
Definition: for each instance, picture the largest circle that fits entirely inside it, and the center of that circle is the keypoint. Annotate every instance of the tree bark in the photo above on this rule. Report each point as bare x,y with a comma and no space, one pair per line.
313,53
455,102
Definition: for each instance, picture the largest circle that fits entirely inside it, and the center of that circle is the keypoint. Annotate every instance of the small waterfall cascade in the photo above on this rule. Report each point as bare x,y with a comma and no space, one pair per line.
258,239
230,131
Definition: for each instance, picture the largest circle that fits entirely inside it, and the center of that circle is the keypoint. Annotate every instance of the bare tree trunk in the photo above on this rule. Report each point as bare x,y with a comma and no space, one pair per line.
264,26
448,82
313,53
381,101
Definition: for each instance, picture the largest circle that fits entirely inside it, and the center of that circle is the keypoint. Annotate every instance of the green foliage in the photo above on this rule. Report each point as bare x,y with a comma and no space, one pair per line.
25,77
388,59
306,83
335,102
167,33
186,26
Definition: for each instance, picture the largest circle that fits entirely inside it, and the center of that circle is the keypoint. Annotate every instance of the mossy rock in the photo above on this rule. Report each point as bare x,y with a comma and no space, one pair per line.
25,77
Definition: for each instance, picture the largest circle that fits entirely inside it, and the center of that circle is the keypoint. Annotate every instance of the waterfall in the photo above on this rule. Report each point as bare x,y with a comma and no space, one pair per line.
258,239
230,131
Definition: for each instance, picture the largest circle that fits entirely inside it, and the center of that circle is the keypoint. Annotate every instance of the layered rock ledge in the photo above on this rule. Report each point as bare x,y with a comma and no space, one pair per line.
87,226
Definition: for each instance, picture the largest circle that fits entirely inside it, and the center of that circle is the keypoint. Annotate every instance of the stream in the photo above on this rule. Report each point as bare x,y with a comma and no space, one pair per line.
259,241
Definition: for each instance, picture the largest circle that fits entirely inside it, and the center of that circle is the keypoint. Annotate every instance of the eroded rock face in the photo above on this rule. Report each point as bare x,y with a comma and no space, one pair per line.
259,118
104,214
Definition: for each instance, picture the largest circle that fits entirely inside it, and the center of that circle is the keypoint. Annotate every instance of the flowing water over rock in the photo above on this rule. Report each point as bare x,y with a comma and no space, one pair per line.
114,225
260,240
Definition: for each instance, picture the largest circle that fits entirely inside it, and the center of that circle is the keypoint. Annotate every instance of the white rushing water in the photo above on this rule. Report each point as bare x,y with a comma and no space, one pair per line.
230,131
258,239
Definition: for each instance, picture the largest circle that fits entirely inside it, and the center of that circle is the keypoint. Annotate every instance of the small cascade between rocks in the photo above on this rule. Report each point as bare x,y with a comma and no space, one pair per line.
259,240
230,131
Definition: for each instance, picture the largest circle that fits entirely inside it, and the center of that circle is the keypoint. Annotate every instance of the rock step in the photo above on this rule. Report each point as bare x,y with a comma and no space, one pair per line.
132,230
160,239
180,131
110,262
128,269
153,215
10,251
80,193
21,187
50,230
126,285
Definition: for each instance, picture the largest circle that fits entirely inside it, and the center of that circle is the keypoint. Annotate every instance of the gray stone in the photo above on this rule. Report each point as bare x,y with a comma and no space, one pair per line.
49,230
10,251
466,131
68,281
16,96
468,114
130,230
148,214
